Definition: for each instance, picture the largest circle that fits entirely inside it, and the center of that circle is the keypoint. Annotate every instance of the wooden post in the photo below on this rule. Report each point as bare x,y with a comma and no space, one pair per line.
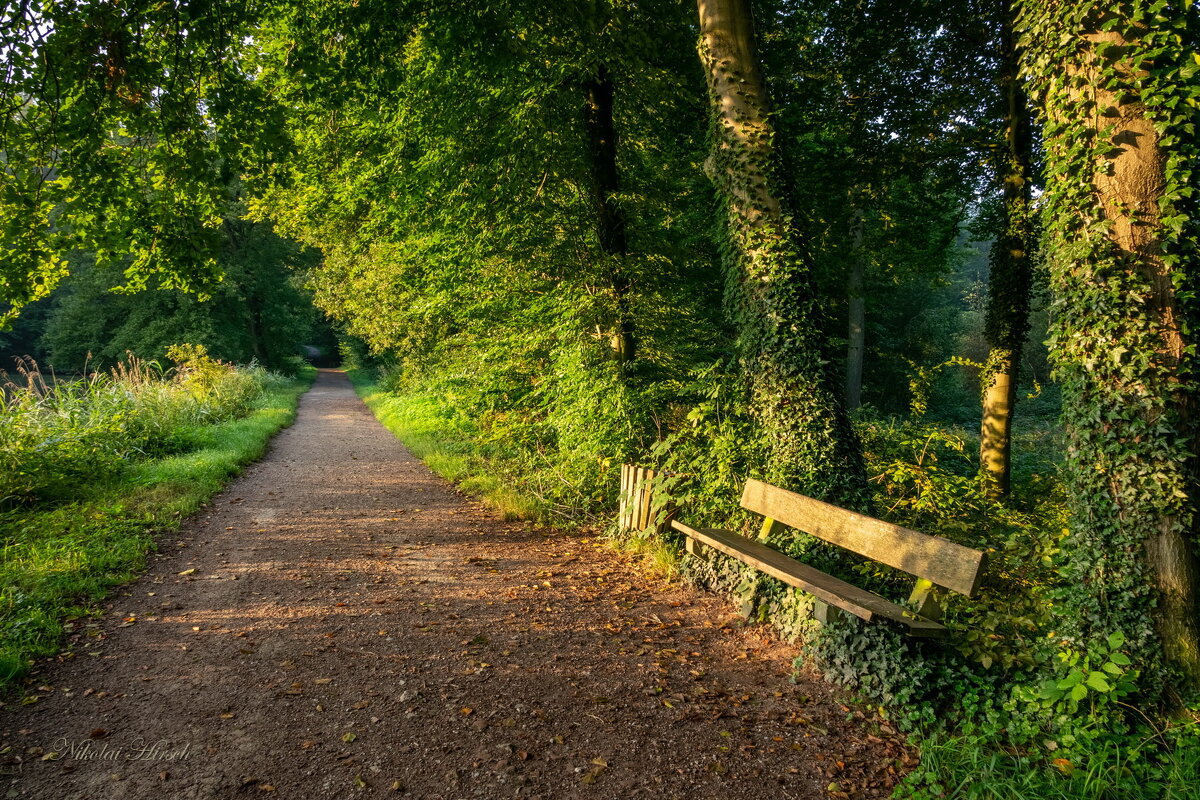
640,505
627,524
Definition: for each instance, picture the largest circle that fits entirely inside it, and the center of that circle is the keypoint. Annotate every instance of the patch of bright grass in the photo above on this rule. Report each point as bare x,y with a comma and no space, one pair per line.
57,561
660,556
1165,766
445,444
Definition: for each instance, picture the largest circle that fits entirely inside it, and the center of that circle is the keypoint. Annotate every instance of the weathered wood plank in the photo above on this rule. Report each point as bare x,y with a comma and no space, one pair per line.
861,603
647,496
939,560
623,511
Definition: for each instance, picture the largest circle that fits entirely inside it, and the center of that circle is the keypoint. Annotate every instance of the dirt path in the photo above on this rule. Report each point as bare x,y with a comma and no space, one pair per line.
340,622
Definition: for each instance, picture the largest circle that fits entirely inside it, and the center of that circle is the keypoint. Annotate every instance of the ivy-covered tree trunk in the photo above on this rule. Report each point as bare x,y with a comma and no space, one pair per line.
800,415
610,222
1117,86
1011,276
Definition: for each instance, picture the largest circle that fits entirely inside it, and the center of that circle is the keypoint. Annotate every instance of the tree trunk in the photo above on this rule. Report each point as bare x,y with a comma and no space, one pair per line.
1123,260
856,335
610,221
1129,193
782,353
1010,280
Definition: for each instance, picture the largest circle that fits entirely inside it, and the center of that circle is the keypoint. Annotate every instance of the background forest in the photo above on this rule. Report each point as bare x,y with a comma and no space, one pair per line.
888,253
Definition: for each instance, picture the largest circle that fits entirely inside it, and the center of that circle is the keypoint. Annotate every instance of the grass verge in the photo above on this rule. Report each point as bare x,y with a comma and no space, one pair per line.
57,561
976,768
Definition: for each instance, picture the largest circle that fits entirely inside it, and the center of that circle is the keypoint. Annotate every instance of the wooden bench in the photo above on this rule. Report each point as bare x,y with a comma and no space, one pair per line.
936,562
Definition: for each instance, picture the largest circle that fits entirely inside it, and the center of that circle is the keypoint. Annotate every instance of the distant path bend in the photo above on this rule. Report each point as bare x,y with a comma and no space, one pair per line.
342,623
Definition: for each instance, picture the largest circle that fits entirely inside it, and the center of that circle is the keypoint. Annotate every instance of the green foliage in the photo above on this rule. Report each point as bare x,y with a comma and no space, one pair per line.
122,126
475,270
258,313
880,155
1100,677
1152,766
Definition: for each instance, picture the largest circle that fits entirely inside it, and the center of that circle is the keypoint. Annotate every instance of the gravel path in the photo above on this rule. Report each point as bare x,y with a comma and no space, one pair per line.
340,622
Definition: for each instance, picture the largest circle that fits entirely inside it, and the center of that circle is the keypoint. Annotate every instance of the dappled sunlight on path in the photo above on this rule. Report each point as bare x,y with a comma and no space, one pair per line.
340,622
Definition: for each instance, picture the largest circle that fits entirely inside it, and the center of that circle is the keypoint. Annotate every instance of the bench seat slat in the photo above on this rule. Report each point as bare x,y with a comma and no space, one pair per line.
831,590
939,560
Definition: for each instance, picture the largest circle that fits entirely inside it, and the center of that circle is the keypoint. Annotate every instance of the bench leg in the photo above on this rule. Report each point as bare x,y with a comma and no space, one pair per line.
825,613
697,549
925,601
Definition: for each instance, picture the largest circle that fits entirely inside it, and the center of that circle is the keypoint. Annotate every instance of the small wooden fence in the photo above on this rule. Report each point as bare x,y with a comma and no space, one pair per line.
639,509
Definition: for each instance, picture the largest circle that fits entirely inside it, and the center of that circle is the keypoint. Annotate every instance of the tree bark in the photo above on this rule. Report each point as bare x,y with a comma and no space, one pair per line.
1011,278
782,354
610,220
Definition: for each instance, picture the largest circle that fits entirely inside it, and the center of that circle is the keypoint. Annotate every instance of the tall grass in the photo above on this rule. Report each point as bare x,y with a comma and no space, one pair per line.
56,434
94,467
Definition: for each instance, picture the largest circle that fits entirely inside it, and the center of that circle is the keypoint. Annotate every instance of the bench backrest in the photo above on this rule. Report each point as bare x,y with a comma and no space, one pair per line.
933,558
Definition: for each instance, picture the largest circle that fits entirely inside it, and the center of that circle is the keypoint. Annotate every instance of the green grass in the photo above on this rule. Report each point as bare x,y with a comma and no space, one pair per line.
445,444
972,768
58,561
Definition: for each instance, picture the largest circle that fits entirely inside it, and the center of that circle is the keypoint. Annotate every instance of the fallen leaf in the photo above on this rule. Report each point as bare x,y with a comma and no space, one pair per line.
348,737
